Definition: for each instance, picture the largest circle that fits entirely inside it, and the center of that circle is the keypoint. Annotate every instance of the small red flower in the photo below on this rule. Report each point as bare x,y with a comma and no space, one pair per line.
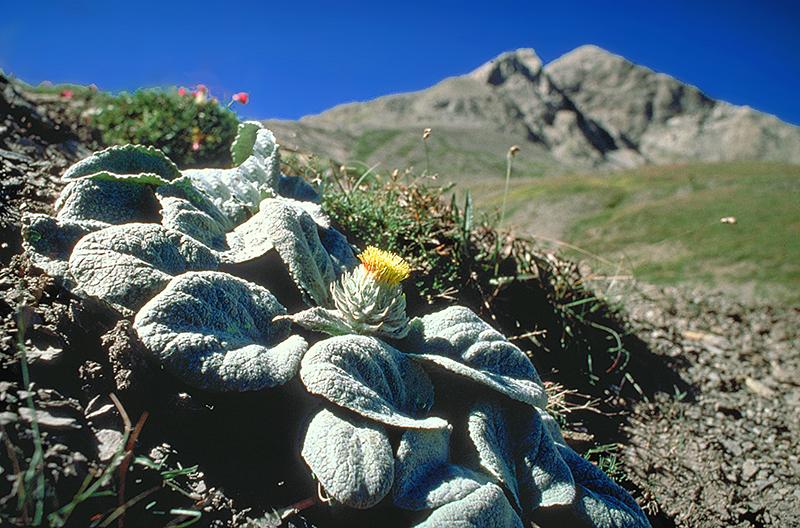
241,97
182,91
202,88
67,94
196,145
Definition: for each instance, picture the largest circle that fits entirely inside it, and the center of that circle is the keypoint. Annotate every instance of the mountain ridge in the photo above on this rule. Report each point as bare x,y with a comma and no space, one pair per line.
589,109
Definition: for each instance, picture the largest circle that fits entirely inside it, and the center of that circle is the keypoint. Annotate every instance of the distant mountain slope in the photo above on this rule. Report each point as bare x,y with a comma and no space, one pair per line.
589,109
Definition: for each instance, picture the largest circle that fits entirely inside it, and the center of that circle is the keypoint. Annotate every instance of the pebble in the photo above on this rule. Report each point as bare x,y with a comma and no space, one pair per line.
749,469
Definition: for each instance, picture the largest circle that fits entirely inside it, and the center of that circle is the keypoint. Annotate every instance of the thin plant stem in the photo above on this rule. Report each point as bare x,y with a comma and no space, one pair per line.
37,460
509,162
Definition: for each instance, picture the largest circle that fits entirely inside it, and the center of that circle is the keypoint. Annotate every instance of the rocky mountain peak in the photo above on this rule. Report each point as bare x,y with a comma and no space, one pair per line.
524,62
588,109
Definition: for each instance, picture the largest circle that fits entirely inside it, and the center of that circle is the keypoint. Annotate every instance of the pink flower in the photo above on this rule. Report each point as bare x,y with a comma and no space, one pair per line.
241,97
202,88
67,94
196,145
182,91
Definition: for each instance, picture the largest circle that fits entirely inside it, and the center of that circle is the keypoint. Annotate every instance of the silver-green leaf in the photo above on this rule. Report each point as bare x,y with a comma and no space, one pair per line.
486,506
457,340
518,450
351,457
372,379
49,242
425,478
216,332
602,502
108,199
126,265
189,211
126,159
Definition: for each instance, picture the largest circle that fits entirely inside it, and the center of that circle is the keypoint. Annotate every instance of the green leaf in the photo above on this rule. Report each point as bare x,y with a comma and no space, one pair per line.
242,147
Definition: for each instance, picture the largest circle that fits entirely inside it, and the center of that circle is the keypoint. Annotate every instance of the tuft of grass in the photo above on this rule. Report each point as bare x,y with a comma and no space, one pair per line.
605,457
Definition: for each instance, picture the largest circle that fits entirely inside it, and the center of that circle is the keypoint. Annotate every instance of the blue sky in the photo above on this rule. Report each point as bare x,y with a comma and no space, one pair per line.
297,58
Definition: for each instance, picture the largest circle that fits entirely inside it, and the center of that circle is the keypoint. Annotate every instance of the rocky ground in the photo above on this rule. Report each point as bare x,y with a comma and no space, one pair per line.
726,452
720,449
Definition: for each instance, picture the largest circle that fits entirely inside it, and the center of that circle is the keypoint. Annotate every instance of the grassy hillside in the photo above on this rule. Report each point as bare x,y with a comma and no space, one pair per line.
662,224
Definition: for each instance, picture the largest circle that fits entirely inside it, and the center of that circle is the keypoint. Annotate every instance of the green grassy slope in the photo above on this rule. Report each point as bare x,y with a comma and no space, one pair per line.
662,224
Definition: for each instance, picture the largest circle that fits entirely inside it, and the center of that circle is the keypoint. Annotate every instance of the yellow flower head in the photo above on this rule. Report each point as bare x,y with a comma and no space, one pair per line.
384,266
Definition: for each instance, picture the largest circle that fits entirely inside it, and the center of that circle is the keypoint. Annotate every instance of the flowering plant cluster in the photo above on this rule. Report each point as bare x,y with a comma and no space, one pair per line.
187,125
160,246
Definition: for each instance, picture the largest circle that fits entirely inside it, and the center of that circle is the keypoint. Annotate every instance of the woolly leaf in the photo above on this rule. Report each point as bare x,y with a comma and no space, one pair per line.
489,432
127,159
486,506
189,211
457,340
126,265
425,478
242,146
372,379
351,458
517,449
237,192
602,502
49,242
108,199
229,190
216,332
294,234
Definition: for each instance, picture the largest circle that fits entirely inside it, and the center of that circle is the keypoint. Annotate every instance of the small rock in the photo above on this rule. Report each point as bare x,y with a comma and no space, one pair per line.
759,388
109,443
7,417
48,421
749,469
49,355
731,447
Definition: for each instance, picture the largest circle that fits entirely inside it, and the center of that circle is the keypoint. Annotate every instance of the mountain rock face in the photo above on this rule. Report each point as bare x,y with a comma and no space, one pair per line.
589,109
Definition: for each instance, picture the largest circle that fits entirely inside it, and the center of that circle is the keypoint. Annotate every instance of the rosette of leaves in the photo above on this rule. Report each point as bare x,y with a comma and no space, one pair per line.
216,332
134,184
